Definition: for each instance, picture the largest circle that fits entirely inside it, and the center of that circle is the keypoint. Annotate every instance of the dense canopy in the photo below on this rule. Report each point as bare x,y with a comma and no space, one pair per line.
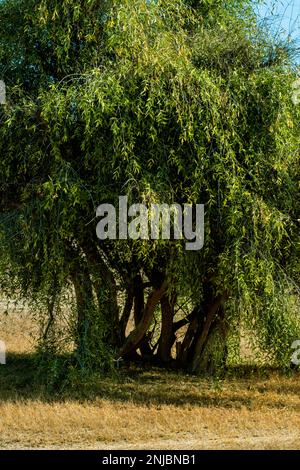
165,102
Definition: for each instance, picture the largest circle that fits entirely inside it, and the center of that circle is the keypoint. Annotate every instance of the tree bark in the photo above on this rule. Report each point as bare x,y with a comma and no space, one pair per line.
137,335
139,302
210,317
186,346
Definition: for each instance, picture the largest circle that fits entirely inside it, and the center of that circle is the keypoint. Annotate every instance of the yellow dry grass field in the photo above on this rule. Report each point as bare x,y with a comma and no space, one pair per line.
143,409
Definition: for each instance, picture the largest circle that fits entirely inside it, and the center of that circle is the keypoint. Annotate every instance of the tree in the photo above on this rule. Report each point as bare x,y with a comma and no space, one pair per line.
183,102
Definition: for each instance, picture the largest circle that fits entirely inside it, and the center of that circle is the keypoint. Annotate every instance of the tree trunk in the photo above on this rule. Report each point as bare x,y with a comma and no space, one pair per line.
126,312
210,316
183,355
214,352
137,335
167,336
144,347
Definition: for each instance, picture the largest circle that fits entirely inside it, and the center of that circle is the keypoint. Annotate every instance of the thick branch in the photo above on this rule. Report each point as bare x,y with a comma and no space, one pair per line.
139,332
184,321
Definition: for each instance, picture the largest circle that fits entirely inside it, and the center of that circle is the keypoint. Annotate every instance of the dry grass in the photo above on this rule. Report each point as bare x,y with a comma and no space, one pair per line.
117,425
144,409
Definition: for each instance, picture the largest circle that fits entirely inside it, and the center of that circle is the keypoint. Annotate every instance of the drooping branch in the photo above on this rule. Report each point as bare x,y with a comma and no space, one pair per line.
50,308
84,300
104,283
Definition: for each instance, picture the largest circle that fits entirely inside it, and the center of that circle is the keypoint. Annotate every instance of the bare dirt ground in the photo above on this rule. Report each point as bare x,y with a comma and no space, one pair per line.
143,409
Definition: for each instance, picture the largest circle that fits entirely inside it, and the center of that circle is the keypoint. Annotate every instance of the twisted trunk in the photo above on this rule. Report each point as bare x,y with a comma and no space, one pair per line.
136,336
